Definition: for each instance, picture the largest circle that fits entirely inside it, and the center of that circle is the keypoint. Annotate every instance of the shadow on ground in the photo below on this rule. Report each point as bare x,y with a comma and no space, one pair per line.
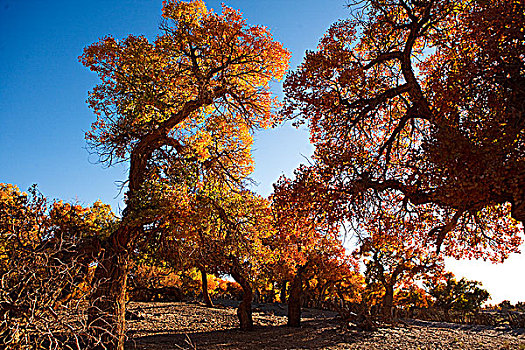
311,335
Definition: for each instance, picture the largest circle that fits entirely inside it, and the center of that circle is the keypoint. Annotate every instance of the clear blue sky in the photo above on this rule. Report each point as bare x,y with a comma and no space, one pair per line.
43,88
43,114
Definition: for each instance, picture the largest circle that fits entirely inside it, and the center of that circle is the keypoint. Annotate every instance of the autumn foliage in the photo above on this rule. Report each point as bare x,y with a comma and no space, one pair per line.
415,109
190,98
423,99
45,256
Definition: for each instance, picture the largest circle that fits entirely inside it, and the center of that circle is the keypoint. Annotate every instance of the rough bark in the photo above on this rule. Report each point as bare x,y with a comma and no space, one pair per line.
205,294
108,309
106,314
244,311
294,299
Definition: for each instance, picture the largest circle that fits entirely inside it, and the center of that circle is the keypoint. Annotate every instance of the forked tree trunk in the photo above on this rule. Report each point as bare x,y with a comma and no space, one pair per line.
244,311
205,294
106,314
294,298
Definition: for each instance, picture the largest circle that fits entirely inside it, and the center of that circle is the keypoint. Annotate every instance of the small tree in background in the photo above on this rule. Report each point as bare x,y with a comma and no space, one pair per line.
307,238
396,249
462,295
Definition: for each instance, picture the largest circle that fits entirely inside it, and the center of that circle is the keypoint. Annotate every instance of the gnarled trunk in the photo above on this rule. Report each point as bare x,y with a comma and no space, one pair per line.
106,314
205,294
244,311
294,298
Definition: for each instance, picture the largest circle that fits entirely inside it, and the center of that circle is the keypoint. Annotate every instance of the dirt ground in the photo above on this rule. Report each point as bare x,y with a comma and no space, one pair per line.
166,326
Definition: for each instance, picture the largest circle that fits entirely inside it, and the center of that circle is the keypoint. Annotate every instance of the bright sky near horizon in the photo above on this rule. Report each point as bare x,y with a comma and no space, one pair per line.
43,114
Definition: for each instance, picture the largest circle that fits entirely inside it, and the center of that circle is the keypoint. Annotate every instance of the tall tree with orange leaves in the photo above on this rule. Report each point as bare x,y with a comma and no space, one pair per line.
206,76
307,238
425,100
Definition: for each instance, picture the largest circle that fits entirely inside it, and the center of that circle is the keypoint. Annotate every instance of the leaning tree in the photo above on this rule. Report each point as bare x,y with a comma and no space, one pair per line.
162,100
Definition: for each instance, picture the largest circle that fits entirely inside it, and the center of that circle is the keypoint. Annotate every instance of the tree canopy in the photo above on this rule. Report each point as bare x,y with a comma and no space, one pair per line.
416,111
424,99
206,77
190,98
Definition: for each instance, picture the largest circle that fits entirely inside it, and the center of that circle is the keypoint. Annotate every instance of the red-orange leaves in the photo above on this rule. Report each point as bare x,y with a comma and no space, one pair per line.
423,100
205,68
308,229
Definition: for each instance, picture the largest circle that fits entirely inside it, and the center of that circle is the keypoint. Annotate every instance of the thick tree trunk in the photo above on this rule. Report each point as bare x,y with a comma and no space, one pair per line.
388,302
108,308
294,303
294,298
205,294
244,311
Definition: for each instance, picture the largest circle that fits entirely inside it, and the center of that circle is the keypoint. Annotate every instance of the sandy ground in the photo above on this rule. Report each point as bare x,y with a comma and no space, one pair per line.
165,326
